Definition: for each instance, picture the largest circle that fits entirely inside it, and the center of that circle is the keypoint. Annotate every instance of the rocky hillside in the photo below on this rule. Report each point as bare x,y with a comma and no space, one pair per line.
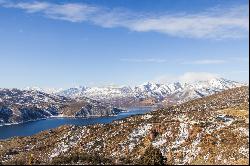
86,107
210,130
24,105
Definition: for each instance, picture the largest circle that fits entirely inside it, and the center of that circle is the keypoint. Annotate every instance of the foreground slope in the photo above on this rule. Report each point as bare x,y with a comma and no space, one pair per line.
210,130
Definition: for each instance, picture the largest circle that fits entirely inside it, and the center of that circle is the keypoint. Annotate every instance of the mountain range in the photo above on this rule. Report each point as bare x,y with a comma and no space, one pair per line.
21,105
177,92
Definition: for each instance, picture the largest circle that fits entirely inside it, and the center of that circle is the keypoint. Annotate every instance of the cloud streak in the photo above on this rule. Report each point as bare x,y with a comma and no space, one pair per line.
240,71
187,77
205,62
217,23
185,62
149,60
240,59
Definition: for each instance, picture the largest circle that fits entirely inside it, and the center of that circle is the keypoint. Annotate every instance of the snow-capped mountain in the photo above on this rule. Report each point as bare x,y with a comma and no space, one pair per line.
177,91
72,92
213,84
156,90
202,88
98,93
45,90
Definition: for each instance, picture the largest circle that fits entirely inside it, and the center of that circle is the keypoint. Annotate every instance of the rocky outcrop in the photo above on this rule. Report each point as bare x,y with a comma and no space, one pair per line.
85,107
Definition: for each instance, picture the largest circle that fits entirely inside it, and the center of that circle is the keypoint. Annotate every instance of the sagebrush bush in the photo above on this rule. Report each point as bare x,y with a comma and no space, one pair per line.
151,156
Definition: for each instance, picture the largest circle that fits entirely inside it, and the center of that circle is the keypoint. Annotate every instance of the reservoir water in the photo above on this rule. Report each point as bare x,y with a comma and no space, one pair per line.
30,128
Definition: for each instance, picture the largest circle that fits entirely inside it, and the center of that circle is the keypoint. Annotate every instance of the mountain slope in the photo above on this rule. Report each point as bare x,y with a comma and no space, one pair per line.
210,130
25,105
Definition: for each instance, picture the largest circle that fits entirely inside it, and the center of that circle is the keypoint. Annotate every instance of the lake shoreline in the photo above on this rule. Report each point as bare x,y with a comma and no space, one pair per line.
35,126
57,117
66,116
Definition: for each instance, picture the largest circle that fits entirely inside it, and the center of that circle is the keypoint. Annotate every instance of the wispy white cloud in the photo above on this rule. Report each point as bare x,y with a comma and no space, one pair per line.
29,7
69,11
197,76
215,61
150,60
240,71
205,62
240,59
217,23
187,77
187,62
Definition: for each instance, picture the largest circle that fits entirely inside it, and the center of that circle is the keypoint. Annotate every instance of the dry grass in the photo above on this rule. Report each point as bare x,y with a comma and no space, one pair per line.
242,114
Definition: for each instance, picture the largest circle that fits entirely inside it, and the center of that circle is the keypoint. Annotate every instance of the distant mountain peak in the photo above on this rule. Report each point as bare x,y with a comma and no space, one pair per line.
181,91
46,90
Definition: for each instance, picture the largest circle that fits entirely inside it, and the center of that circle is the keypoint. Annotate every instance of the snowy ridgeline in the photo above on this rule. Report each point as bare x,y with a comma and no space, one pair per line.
155,90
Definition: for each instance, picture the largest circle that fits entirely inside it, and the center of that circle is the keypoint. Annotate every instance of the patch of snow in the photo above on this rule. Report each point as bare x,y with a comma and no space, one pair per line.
147,116
66,142
219,157
183,135
159,142
244,151
141,131
168,133
244,131
192,151
90,144
137,134
206,157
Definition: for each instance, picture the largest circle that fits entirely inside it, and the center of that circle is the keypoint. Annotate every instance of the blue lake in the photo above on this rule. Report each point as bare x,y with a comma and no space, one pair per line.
30,128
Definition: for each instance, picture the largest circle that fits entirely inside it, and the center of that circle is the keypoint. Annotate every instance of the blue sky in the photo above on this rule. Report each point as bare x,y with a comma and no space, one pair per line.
126,42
